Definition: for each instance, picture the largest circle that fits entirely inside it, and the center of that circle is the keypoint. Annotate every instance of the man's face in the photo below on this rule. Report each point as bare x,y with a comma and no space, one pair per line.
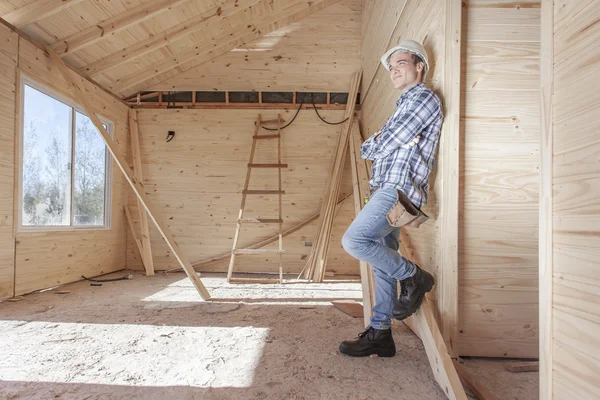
403,71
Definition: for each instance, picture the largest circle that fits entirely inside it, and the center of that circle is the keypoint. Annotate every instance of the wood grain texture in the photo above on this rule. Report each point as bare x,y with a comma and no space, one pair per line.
546,257
198,177
45,259
8,86
569,276
500,179
317,53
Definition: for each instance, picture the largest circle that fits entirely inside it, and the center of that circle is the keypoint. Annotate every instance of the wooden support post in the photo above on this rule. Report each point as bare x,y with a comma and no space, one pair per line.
137,186
194,98
449,167
137,170
546,266
160,96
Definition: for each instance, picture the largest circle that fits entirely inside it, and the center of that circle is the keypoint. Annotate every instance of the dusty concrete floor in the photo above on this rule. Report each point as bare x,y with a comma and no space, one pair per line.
153,338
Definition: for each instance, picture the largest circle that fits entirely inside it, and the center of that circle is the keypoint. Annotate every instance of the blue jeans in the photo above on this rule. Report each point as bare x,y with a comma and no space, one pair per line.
372,239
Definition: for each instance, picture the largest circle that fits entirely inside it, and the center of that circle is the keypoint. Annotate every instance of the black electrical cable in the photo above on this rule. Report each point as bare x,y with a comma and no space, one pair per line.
288,124
123,278
327,122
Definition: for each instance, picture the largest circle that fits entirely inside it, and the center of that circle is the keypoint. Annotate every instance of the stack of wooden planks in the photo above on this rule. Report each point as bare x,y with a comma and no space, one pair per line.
314,269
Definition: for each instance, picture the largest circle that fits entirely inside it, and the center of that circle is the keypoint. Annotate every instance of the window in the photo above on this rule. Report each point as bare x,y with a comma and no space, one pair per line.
65,164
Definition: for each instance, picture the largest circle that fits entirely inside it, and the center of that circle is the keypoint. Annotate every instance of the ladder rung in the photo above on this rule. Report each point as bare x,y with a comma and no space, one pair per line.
263,191
258,251
272,121
265,136
261,220
267,165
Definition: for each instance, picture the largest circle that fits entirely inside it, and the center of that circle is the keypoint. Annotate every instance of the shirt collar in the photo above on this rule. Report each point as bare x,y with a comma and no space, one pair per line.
408,92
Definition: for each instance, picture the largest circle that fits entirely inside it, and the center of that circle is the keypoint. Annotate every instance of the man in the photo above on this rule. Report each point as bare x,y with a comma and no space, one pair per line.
403,153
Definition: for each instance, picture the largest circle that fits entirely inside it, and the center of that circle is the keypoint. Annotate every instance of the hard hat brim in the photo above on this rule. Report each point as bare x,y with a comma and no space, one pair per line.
385,58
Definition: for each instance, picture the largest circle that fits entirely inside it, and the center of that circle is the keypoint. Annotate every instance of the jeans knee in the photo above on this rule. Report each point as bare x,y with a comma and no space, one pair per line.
351,244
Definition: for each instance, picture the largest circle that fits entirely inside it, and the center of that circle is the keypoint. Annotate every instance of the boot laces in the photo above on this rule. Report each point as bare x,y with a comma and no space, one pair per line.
366,332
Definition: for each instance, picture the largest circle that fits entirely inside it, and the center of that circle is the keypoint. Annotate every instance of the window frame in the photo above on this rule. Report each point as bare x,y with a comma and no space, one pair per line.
76,108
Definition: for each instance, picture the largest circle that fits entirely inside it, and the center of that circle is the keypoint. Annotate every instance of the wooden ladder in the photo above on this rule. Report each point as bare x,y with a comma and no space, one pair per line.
241,220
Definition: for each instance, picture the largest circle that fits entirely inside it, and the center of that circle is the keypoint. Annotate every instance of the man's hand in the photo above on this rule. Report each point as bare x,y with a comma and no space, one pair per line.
412,143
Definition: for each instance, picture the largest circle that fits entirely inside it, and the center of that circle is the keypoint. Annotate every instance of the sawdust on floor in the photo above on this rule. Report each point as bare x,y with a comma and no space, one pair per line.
154,338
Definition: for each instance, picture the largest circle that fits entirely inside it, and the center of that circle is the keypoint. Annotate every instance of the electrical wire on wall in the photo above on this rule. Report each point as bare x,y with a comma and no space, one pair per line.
298,111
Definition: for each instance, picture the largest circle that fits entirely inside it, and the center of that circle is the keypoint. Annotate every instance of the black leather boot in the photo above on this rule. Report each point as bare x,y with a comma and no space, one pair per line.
412,293
371,341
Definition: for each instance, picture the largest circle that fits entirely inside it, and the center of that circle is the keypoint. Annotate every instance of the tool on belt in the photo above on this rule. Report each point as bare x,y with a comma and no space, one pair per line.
404,212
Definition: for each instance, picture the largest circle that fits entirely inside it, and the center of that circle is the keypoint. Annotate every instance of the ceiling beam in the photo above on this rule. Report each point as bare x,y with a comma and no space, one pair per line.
255,24
217,13
109,27
37,11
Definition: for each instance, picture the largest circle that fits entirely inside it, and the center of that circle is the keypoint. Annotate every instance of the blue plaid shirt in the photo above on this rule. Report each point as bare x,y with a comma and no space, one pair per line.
398,164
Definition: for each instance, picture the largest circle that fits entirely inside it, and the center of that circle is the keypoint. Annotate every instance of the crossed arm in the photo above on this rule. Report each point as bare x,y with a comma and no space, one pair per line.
405,128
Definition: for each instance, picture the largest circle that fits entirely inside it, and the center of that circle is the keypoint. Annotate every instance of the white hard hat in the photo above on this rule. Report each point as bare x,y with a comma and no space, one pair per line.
408,46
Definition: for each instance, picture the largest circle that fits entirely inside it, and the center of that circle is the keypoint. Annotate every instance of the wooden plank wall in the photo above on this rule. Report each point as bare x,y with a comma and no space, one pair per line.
199,175
384,24
8,70
498,256
318,53
576,204
45,259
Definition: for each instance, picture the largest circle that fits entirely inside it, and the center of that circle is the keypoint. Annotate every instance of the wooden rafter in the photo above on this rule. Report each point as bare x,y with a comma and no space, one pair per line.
212,18
109,27
37,11
253,24
137,186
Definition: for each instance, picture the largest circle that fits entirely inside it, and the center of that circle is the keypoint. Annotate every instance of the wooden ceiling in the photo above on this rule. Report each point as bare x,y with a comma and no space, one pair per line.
129,45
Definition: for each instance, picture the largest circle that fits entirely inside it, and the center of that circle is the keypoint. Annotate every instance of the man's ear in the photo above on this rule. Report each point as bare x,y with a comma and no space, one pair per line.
420,66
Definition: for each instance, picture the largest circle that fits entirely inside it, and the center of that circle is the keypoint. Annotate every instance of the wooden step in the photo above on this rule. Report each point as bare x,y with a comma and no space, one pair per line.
260,220
258,251
267,165
263,191
265,136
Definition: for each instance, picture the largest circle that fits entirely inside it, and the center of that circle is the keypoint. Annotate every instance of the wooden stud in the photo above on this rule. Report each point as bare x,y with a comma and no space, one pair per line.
226,97
137,171
280,193
194,97
137,186
449,207
160,98
139,98
546,267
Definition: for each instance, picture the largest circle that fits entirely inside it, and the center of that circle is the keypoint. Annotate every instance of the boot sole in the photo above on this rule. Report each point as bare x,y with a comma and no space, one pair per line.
428,286
379,352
